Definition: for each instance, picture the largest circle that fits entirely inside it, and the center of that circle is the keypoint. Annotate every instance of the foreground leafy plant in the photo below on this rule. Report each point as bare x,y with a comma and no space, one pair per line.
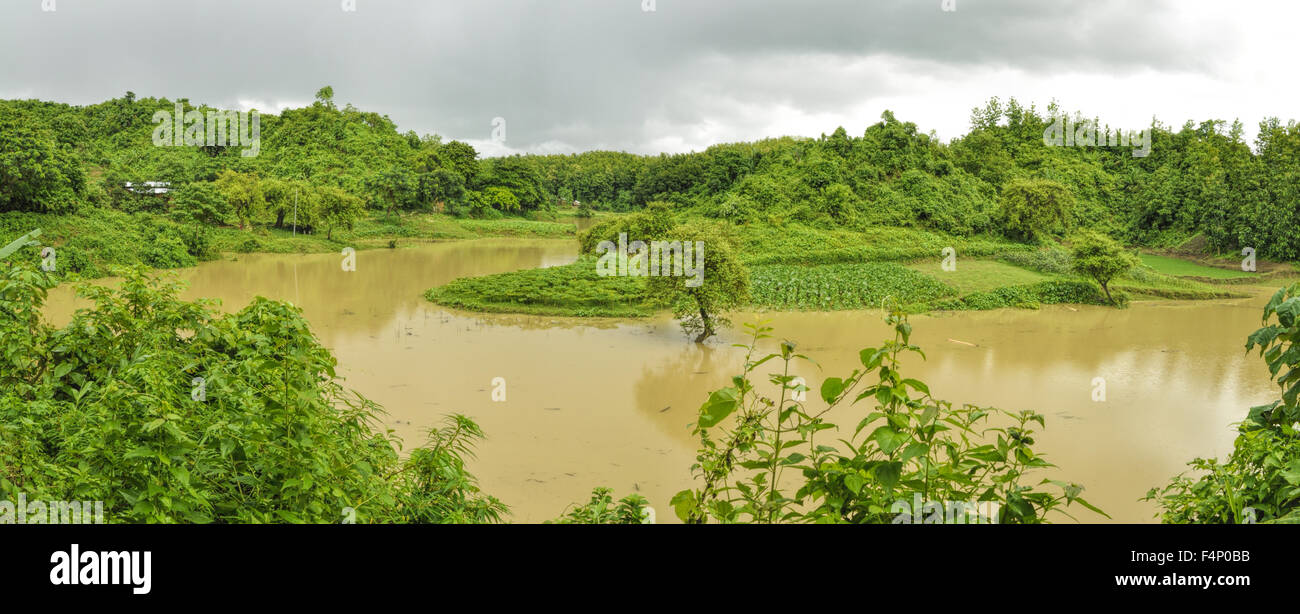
910,449
1260,480
601,509
112,408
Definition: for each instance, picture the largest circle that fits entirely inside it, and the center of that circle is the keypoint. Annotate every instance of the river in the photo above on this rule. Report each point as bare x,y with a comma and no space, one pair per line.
607,402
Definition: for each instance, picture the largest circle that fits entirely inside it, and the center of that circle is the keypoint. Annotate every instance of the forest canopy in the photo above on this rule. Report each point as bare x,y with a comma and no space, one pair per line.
1198,179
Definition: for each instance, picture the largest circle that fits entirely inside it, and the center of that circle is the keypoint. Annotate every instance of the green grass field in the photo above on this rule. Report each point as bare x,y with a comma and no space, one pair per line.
978,275
1186,268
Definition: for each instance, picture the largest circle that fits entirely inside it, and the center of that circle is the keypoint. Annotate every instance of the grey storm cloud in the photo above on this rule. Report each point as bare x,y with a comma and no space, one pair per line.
568,75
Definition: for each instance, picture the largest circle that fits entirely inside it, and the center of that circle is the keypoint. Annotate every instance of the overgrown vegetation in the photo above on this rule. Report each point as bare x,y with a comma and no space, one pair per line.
601,509
168,412
1031,296
570,290
843,286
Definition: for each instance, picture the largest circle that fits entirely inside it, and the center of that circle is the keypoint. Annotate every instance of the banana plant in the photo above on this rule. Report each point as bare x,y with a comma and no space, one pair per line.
23,241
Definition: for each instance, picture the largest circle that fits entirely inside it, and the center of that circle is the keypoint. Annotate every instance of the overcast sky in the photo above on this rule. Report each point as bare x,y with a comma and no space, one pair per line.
575,75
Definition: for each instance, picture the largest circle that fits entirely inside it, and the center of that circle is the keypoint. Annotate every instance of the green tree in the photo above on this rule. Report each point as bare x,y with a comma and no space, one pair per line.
393,188
36,172
1102,258
1034,209
325,96
337,208
201,202
243,193
518,175
462,158
198,207
721,282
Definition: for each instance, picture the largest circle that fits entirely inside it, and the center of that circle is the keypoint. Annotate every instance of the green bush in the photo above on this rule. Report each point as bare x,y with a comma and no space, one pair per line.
575,289
601,509
1052,260
167,251
1033,295
109,408
908,449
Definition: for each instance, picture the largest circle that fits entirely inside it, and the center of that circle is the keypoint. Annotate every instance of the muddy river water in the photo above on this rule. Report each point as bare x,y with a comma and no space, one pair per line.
607,402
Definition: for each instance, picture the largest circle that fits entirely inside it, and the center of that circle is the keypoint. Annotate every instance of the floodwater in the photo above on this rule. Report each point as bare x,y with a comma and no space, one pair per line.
607,402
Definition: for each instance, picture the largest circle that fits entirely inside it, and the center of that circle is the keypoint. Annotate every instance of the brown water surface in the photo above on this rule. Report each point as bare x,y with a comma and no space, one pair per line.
607,402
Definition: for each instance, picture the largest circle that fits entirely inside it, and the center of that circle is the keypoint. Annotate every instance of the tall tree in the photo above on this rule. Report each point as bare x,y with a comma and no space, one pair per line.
1101,258
243,193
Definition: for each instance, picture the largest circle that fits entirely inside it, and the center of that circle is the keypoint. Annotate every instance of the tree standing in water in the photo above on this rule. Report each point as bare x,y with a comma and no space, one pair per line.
1101,258
722,282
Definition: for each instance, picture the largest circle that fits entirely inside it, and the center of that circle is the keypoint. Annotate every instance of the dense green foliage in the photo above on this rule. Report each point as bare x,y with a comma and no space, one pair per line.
1030,296
1100,258
601,509
111,408
722,285
1198,179
59,157
103,238
1260,480
909,453
1035,209
999,179
573,289
654,223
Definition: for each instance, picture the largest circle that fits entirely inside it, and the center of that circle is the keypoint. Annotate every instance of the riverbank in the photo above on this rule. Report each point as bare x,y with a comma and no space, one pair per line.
92,242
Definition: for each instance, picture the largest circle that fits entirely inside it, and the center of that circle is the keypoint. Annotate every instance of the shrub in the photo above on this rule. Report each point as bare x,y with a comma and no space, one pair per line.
1035,209
1052,260
1033,295
109,408
601,509
910,447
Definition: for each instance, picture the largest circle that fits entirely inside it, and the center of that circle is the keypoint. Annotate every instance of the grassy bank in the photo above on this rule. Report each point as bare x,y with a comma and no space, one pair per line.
92,241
